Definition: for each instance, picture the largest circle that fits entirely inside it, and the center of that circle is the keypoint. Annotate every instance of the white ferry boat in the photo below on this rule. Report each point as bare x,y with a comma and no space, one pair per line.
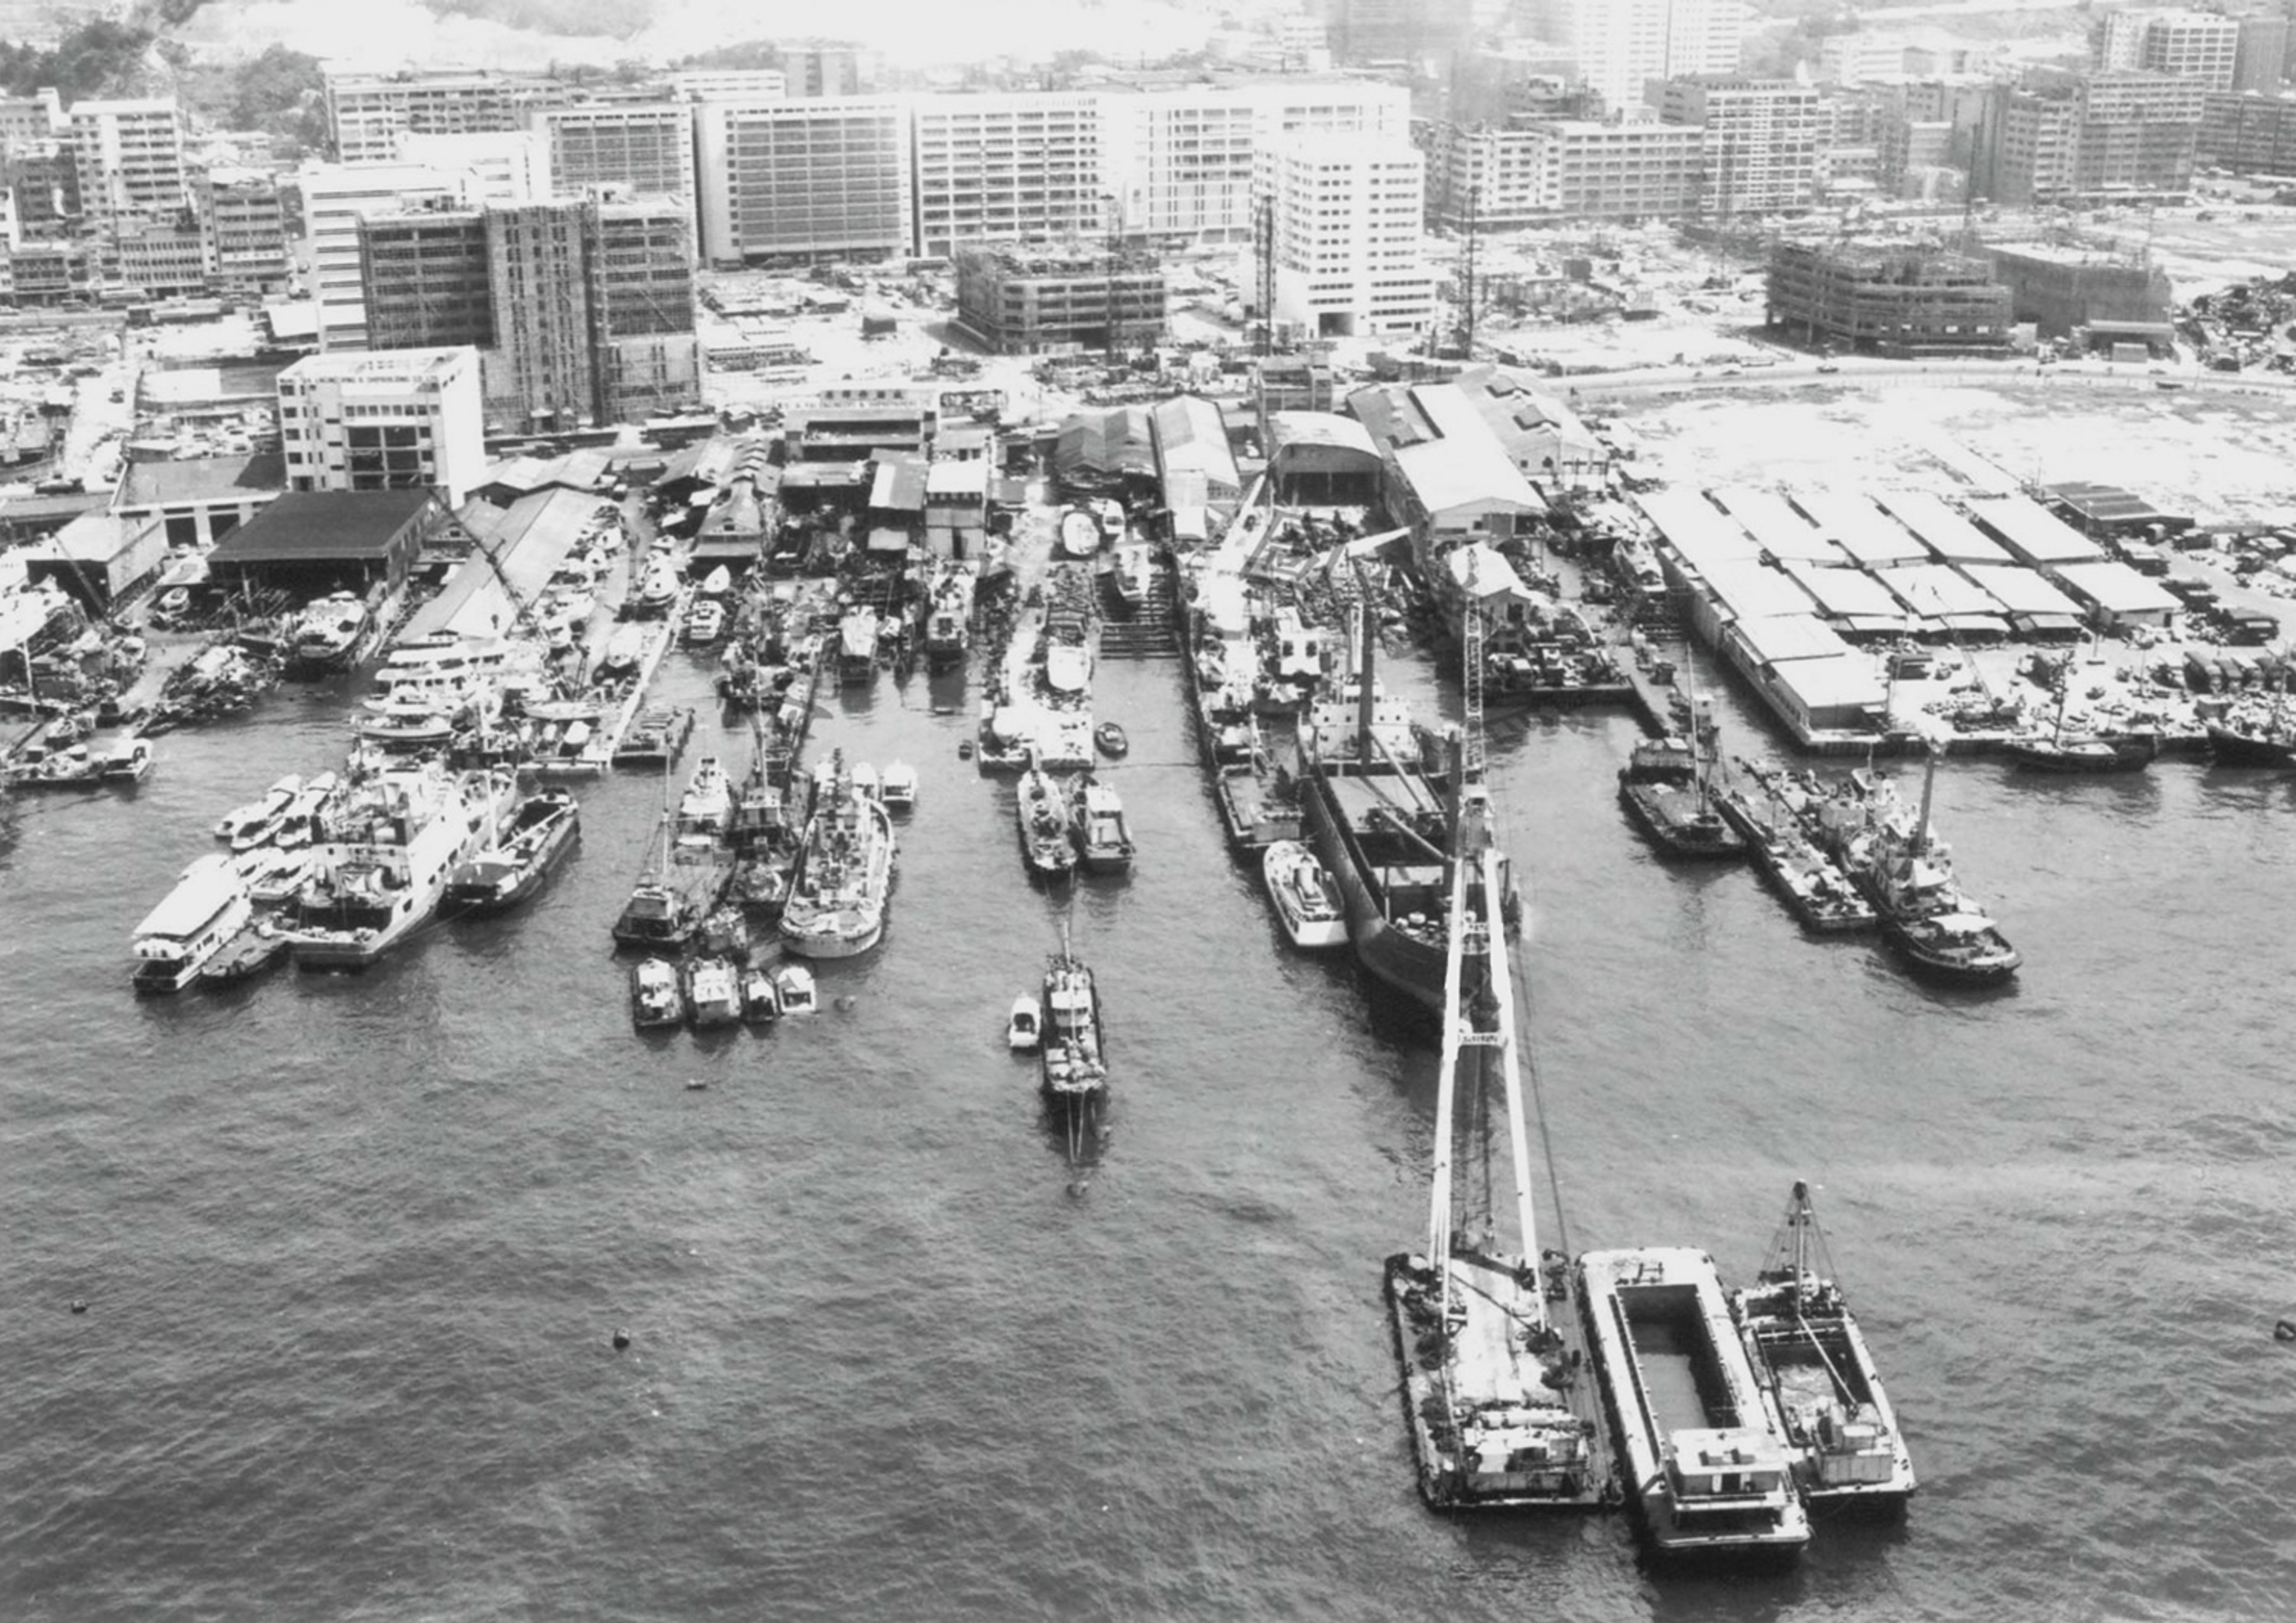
209,905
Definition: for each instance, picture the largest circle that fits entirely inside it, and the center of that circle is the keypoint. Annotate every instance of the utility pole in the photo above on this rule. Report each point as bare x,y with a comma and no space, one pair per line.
1467,276
1265,230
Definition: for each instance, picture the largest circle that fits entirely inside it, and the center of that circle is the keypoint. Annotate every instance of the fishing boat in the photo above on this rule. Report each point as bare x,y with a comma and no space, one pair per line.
857,646
328,635
537,836
1501,1412
949,617
1111,741
2058,750
1096,816
239,826
713,992
1812,885
1805,1347
761,1000
898,788
1665,789
1382,830
1074,1060
1068,668
1046,837
705,811
1024,1027
396,841
208,907
836,906
304,820
655,996
667,904
1308,903
794,983
1708,1470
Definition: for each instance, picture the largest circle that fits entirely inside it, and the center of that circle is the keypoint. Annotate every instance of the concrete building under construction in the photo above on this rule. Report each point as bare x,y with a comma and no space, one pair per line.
1027,301
2058,289
1887,299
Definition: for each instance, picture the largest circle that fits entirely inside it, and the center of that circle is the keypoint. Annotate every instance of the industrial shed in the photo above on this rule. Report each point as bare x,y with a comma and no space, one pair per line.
1946,533
1752,590
1775,527
1948,603
1105,453
1862,530
1189,436
2033,534
1862,603
1696,530
2036,608
1320,459
99,558
2118,595
312,542
489,590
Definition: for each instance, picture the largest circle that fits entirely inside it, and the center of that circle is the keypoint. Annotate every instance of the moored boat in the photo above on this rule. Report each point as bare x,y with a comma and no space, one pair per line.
794,983
1024,1027
208,907
655,997
705,811
1663,786
898,788
657,589
1096,816
2086,752
761,1000
242,823
1074,1062
328,636
949,617
1806,1347
1307,903
381,875
1043,811
1812,885
2252,742
713,992
1111,741
1907,872
1709,1472
538,834
836,906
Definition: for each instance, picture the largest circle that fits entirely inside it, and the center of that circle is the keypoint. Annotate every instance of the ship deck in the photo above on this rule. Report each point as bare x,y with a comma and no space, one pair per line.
1493,1364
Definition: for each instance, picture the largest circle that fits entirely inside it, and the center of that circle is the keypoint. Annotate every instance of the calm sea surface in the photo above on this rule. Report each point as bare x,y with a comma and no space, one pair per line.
353,1249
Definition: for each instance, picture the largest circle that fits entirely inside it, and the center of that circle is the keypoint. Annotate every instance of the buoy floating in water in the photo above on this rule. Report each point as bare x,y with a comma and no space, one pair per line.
2285,1330
78,1304
621,1339
694,1084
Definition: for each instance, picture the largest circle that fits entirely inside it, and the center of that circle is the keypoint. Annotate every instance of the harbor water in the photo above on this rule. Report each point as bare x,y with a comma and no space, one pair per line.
353,1249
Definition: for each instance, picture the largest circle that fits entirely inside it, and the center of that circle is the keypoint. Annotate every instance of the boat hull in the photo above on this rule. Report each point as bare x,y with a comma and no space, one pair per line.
2130,754
2235,749
1413,965
1678,829
1991,966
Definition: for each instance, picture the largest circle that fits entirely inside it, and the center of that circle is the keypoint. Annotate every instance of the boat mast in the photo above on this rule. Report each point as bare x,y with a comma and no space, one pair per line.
1363,651
1798,1222
1921,841
1502,991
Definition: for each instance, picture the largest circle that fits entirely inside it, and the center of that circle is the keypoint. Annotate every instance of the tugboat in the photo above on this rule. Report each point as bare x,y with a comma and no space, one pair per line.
1807,1350
713,993
836,906
655,999
1075,1066
1307,902
1104,842
948,618
1046,839
545,826
1906,872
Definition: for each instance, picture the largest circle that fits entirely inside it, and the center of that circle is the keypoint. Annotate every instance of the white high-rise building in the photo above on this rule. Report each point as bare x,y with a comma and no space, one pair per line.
1180,163
399,419
503,166
130,158
1620,46
1349,257
1005,167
